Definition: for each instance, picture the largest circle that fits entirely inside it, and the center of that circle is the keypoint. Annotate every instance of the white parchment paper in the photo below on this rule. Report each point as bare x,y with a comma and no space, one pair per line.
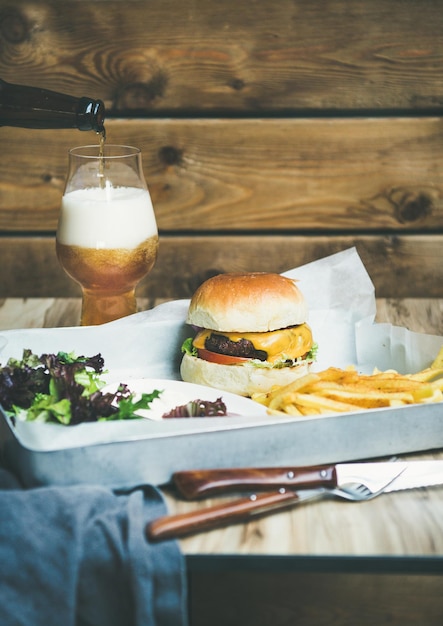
342,308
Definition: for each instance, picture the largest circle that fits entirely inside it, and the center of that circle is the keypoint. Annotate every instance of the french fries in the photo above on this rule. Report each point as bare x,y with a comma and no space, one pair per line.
438,361
337,390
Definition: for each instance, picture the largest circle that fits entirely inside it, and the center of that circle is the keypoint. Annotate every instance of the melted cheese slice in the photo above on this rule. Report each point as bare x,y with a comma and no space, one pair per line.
287,343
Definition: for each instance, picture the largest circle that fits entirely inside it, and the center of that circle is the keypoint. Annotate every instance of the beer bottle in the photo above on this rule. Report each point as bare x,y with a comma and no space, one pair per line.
32,107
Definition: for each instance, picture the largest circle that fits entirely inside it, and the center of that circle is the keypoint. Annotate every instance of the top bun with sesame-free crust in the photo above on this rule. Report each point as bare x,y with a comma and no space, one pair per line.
247,302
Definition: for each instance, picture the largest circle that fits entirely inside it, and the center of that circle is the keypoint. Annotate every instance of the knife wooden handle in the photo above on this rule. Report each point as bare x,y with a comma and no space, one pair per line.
194,484
239,510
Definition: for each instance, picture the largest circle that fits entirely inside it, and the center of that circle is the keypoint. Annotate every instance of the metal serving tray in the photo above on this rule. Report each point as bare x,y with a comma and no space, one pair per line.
149,452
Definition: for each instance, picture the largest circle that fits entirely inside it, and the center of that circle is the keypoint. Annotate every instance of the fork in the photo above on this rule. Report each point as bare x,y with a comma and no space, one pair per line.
358,492
242,509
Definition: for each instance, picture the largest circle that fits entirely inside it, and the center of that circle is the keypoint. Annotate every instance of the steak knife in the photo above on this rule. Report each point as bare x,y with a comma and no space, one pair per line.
193,484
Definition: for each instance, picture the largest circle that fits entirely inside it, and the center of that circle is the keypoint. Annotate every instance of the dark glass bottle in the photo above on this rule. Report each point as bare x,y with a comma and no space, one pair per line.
32,107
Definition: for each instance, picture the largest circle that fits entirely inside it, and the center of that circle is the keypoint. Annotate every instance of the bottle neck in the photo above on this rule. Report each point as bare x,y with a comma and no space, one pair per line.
90,115
32,107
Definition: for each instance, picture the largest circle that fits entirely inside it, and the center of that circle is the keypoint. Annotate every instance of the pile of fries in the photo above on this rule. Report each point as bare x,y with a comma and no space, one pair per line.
339,390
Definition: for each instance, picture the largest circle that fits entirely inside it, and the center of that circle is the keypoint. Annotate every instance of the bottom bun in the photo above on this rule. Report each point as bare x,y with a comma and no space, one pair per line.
243,380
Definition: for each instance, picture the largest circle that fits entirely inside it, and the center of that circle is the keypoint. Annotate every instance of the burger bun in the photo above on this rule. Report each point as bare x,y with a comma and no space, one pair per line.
248,302
245,379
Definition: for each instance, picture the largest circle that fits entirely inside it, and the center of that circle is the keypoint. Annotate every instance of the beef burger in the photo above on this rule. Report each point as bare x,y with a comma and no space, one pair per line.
251,333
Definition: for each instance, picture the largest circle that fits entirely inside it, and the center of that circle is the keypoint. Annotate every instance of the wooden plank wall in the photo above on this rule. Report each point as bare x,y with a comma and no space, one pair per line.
273,133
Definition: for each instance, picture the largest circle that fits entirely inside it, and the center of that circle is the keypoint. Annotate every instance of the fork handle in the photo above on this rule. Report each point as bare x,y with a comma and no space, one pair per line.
239,510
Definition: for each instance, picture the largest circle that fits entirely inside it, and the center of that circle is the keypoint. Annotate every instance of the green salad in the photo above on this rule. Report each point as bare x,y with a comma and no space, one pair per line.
66,389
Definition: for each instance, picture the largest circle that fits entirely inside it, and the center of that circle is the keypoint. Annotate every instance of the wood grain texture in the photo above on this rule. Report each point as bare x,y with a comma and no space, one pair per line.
400,266
417,314
194,55
39,312
249,175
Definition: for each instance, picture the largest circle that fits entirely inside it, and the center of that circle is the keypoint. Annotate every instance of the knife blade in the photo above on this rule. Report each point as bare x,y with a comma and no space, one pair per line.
193,484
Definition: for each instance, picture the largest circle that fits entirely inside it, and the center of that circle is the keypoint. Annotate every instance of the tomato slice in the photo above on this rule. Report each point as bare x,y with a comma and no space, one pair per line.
223,359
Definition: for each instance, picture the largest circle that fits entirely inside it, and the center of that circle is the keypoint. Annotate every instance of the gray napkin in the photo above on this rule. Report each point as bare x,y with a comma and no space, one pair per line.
78,556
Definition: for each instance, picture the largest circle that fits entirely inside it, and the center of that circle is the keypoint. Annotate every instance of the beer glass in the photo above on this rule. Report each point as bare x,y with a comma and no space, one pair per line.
107,236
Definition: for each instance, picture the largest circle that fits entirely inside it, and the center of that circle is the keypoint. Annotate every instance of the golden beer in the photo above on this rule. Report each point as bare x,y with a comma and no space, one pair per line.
108,277
107,236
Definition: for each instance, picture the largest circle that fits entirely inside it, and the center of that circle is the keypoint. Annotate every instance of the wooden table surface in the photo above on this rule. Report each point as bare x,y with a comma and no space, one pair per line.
385,555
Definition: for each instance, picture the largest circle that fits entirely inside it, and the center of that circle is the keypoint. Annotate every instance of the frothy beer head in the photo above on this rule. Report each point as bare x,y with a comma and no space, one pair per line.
114,217
107,238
